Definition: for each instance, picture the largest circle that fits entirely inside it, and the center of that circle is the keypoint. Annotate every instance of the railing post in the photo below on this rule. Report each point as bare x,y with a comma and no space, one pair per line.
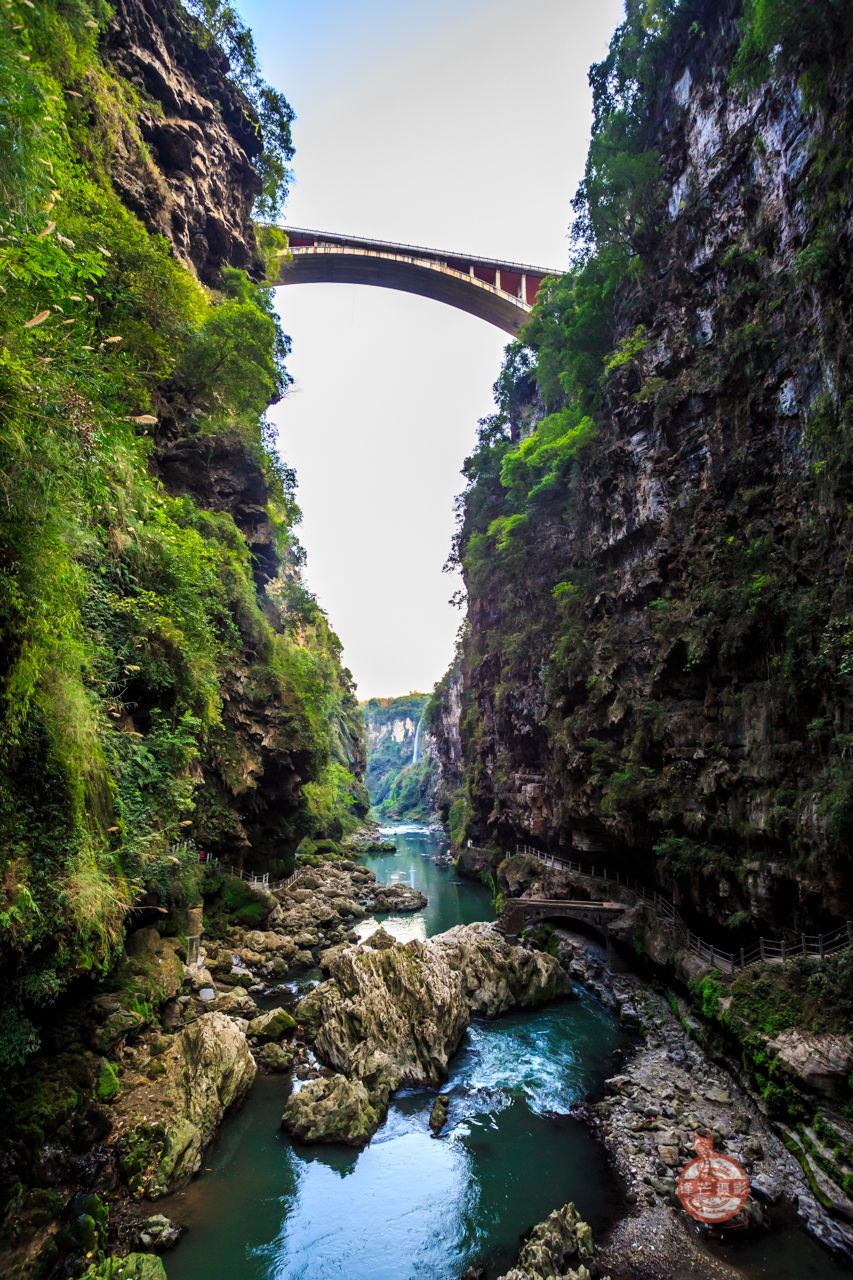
820,944
783,950
741,959
803,937
761,948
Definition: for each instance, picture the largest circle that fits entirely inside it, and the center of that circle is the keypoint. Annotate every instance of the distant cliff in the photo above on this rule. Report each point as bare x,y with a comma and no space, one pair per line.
400,787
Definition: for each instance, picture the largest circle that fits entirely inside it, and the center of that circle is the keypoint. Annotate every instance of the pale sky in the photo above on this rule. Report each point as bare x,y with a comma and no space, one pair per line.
461,126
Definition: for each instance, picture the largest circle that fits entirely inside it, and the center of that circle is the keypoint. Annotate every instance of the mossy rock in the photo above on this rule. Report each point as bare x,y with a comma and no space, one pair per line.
155,964
328,848
136,1266
271,1025
277,1057
242,904
331,1110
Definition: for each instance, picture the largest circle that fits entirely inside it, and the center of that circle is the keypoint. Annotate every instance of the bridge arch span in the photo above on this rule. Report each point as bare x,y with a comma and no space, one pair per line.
501,293
519,913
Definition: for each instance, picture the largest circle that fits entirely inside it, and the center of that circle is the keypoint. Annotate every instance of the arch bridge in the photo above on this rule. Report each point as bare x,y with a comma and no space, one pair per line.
519,913
502,293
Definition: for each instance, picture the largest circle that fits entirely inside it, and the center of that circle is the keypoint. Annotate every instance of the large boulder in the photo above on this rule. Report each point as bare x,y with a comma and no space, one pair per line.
393,1013
331,1110
396,898
496,976
821,1062
559,1246
205,1070
271,1025
398,1011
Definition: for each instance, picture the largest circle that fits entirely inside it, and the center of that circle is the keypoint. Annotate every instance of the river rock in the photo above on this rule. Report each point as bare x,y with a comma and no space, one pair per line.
331,1110
394,1013
277,1057
497,976
438,1114
237,1004
206,1069
271,1025
764,1186
559,1246
396,898
159,1233
380,939
388,1016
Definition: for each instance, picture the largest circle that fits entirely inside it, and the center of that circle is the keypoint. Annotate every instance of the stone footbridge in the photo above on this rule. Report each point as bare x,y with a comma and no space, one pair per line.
520,913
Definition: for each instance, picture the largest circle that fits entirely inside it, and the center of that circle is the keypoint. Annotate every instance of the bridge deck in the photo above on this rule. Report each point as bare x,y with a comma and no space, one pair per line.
500,292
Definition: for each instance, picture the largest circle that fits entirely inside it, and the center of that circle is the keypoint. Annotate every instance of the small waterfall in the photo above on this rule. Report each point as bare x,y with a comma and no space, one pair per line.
417,740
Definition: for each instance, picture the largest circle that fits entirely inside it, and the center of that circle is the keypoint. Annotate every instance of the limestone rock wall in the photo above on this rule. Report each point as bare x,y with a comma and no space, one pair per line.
196,183
688,718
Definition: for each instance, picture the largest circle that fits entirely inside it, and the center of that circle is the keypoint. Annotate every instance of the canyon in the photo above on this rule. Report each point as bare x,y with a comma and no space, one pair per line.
202,926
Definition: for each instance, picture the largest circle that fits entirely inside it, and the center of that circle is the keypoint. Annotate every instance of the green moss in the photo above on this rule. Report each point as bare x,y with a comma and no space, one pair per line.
123,610
108,1083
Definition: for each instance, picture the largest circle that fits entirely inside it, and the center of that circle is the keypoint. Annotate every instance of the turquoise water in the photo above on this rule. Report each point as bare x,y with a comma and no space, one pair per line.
414,1207
411,1205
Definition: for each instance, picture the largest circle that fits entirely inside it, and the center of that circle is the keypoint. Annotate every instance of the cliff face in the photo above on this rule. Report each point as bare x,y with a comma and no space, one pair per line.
399,786
657,666
195,182
167,682
442,718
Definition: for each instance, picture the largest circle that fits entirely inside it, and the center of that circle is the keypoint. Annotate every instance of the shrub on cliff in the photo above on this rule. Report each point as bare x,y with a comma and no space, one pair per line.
125,612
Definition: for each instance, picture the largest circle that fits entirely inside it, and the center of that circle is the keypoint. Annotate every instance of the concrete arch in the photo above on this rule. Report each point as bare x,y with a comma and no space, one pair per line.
501,293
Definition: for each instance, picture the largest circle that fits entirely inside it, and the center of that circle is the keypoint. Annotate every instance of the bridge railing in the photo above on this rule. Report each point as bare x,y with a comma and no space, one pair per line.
818,945
262,882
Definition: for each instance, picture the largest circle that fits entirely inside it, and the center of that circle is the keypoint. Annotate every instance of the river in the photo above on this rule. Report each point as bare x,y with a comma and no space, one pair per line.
412,1206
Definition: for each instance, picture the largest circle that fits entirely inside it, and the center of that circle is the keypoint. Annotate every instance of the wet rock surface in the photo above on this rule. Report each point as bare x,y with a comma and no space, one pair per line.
560,1246
393,1013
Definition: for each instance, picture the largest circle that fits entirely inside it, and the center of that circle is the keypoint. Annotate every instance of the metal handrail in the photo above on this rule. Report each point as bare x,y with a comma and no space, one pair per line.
474,258
811,944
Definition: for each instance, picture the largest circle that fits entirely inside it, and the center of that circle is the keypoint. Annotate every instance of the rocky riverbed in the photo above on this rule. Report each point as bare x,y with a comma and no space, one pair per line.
672,1090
